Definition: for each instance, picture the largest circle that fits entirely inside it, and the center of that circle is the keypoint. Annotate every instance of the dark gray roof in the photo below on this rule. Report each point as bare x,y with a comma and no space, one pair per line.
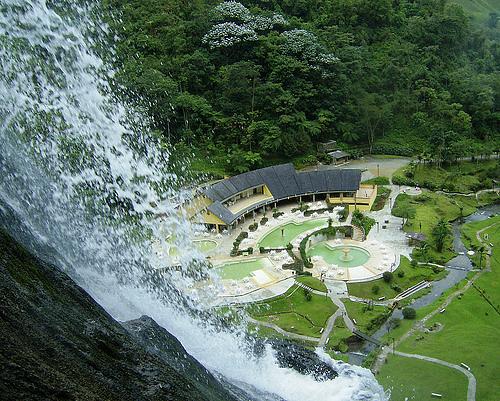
338,154
222,212
283,182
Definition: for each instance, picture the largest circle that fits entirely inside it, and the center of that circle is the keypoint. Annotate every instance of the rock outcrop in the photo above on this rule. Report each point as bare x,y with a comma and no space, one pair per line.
57,343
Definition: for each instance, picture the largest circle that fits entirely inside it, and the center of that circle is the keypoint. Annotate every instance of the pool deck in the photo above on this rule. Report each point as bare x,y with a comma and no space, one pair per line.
382,258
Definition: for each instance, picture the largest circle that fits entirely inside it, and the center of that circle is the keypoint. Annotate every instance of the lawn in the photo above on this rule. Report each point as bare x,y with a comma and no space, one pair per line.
377,181
412,379
423,211
411,276
464,177
312,282
470,327
338,336
294,313
367,320
470,240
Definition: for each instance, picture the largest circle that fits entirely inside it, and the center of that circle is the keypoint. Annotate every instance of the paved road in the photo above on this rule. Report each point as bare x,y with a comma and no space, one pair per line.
471,388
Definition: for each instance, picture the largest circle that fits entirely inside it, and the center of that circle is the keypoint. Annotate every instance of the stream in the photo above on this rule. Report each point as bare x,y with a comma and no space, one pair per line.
458,267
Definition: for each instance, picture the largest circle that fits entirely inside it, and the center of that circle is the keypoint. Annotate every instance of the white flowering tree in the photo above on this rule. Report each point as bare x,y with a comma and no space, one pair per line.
304,45
236,24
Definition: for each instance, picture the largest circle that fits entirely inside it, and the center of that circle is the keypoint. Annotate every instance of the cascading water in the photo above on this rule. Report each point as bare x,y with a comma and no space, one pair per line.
86,179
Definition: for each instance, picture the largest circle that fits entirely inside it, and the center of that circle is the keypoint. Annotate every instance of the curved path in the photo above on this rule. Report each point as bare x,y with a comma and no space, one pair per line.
471,388
471,391
283,332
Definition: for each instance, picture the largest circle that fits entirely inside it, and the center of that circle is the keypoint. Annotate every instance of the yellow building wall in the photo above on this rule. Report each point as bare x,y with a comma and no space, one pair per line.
211,218
267,191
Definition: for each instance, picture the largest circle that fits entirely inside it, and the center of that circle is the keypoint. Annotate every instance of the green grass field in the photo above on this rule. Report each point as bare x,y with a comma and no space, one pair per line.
412,276
292,312
479,10
470,240
338,336
278,239
412,379
469,327
312,282
366,320
426,209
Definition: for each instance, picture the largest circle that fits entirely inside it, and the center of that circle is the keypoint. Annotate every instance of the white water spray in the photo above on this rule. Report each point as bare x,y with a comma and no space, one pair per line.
87,179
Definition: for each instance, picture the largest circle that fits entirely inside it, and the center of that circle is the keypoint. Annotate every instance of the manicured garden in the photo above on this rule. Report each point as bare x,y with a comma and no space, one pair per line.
466,332
368,317
312,282
422,212
405,276
282,235
413,379
297,311
381,199
338,336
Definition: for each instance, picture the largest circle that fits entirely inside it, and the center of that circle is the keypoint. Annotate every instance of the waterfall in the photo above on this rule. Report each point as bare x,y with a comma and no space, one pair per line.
88,180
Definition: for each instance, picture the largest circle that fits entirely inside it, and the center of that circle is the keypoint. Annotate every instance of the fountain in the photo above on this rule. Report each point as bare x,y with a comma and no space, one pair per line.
347,257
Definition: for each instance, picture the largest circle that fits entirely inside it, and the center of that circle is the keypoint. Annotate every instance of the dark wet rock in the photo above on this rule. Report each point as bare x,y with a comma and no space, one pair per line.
57,343
294,356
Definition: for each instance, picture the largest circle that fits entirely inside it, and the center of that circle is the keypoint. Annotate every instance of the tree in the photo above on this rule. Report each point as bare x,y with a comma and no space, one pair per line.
440,233
409,313
387,276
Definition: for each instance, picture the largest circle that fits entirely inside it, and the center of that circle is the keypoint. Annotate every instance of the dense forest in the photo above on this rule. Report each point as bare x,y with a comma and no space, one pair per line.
245,84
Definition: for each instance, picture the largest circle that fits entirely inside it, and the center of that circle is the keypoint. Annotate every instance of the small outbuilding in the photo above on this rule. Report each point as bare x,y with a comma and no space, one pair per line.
339,157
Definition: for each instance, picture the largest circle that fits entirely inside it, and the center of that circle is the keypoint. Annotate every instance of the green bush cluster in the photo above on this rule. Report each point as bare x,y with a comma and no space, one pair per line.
362,221
263,221
278,214
253,227
236,244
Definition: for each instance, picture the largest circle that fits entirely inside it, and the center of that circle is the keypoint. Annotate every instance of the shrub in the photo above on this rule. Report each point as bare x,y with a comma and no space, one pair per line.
436,269
277,214
414,263
401,273
250,251
263,221
375,289
253,227
387,276
289,247
307,294
262,249
409,313
396,288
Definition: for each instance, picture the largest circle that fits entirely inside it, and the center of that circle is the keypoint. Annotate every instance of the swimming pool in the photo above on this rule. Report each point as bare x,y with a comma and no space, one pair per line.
205,245
278,239
239,270
340,255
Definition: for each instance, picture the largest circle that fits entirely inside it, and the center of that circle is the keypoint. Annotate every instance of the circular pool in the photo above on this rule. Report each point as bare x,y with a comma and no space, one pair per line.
340,255
205,245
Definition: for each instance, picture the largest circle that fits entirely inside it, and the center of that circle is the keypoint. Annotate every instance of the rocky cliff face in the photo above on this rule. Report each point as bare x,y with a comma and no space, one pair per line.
58,344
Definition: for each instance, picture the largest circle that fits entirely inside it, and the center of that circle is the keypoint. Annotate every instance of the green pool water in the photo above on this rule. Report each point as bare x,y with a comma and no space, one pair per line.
239,270
334,255
206,245
292,230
